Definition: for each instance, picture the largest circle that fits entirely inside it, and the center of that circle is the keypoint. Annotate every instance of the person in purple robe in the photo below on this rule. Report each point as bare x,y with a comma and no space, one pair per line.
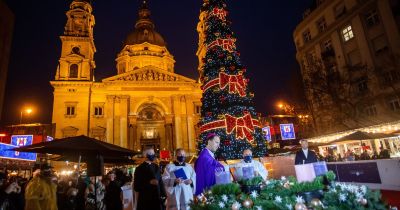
206,165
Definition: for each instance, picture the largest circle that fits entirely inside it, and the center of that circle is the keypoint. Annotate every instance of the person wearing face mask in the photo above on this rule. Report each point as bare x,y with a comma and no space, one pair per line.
206,165
148,184
259,169
180,190
41,192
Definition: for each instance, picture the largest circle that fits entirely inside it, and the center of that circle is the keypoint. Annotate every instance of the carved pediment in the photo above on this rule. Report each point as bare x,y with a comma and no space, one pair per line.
149,74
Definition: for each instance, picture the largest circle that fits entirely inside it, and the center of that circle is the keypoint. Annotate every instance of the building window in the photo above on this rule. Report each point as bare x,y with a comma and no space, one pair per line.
73,71
362,86
327,45
197,109
394,104
372,18
371,110
354,58
76,50
307,36
70,110
321,24
380,45
347,33
98,111
340,10
390,77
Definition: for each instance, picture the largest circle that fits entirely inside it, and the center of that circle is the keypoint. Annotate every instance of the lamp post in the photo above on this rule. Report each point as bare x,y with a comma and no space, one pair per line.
27,111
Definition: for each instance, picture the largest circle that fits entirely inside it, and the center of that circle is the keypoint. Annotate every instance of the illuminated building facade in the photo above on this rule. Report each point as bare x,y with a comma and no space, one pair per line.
145,103
349,54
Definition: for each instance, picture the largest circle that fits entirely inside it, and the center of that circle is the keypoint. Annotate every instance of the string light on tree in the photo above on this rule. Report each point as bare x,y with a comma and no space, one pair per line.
227,103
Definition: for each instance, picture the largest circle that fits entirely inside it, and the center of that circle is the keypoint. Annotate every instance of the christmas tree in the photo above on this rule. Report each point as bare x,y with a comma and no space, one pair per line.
227,104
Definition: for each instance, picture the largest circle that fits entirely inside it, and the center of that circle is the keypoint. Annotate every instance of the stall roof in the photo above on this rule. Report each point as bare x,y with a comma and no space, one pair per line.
359,136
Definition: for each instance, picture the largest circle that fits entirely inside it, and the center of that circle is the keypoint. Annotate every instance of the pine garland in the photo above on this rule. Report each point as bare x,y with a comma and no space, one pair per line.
287,193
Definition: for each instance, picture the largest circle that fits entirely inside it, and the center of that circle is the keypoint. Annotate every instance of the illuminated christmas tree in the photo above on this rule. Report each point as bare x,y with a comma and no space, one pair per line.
228,107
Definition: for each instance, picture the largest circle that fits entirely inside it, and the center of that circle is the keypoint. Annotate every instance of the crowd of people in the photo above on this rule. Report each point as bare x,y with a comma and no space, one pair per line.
351,155
174,187
45,191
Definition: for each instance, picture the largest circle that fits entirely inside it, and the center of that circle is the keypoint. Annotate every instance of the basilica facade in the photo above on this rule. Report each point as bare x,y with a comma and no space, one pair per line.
144,104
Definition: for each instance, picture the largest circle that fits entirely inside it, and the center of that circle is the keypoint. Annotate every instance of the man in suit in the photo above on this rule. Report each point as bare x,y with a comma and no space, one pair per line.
148,183
305,155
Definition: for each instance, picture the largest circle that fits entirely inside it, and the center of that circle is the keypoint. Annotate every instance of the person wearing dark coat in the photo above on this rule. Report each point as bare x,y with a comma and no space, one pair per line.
148,184
305,155
112,197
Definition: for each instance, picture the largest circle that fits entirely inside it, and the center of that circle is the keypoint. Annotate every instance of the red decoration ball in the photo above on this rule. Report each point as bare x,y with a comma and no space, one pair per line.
232,68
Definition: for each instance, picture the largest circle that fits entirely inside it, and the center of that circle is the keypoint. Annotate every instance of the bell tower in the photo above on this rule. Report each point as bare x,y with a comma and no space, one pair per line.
77,52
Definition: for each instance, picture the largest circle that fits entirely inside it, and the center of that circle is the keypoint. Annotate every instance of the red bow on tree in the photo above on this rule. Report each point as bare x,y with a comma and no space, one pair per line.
236,83
220,13
243,126
227,44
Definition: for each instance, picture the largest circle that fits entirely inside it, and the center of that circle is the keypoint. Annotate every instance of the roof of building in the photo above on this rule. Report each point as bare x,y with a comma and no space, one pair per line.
144,29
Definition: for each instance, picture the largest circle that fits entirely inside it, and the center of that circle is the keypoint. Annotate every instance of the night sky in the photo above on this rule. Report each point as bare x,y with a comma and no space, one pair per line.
263,30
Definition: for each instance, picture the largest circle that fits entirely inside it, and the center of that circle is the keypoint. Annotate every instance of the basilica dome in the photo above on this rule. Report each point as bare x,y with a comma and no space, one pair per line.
144,30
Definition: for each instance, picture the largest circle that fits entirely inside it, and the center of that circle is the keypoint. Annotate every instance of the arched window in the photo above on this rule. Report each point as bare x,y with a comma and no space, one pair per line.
73,71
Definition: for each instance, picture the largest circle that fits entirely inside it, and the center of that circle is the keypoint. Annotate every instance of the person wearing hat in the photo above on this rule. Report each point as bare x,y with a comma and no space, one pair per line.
305,155
41,192
206,165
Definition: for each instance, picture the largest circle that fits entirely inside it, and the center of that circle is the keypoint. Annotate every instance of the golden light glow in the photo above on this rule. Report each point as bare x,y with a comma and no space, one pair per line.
28,110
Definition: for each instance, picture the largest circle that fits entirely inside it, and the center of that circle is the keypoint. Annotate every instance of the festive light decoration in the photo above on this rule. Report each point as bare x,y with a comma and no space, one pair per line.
226,44
227,104
219,13
276,196
248,203
241,126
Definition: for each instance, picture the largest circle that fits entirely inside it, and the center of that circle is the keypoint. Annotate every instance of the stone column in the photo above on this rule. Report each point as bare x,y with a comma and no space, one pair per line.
177,121
117,122
133,142
190,125
184,123
169,135
124,103
109,112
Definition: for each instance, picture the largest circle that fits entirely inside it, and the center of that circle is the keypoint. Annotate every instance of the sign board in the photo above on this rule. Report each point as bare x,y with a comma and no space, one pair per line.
21,140
165,154
267,133
287,131
5,152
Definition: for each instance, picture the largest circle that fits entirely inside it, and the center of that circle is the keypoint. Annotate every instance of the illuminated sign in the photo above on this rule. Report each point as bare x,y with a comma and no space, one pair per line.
267,133
6,152
21,140
287,131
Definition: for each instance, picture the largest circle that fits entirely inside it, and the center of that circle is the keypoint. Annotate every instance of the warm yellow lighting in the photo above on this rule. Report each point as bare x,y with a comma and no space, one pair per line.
27,111
280,105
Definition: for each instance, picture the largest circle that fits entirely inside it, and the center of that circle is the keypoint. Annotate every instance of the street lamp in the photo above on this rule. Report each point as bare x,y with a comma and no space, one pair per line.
27,111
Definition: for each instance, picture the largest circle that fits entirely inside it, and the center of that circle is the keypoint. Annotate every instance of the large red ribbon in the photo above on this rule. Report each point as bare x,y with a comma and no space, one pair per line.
226,44
236,83
242,126
220,13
